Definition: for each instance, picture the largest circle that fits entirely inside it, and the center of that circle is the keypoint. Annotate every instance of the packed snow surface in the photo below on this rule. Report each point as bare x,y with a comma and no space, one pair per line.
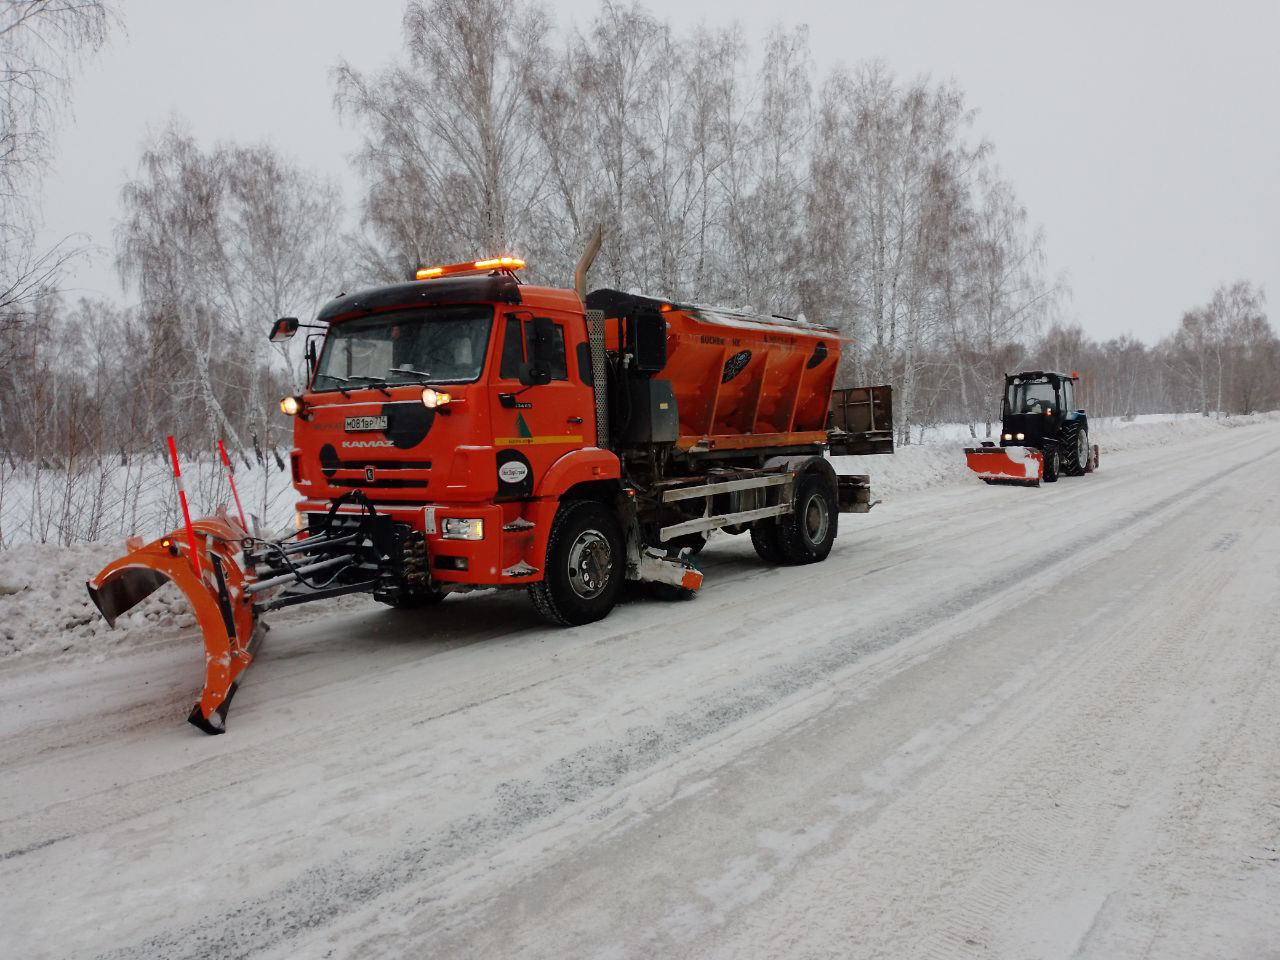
996,722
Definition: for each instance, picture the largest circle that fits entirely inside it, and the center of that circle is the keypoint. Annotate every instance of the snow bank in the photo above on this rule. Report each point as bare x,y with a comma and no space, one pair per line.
45,609
1117,435
940,459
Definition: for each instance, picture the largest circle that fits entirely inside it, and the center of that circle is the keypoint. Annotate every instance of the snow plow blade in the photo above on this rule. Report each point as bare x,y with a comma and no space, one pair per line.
217,596
1022,466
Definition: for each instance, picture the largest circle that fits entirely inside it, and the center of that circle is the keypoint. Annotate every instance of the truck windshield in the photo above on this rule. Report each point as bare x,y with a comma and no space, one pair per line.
437,345
1031,396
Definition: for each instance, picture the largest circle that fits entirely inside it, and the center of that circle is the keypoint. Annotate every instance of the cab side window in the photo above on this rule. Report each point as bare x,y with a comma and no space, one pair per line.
512,350
517,348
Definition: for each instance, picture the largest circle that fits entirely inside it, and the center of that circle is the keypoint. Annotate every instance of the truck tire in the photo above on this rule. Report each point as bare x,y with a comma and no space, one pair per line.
1051,462
764,537
586,560
1075,448
806,534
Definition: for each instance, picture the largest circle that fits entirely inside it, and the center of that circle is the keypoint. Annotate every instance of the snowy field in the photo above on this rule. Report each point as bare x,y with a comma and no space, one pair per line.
997,722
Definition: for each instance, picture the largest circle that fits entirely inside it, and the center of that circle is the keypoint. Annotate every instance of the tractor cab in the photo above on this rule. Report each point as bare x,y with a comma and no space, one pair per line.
1036,402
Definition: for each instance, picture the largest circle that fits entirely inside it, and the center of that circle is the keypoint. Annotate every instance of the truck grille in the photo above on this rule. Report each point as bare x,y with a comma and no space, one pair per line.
373,474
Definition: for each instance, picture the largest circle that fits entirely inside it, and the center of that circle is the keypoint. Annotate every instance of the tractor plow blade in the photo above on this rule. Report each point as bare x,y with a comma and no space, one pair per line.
1021,466
217,595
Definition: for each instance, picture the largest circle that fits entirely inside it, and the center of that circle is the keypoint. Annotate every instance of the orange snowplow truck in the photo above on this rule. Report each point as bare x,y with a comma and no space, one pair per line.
465,431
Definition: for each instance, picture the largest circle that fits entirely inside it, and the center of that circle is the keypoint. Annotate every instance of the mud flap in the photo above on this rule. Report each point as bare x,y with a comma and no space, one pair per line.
1093,459
223,610
1023,466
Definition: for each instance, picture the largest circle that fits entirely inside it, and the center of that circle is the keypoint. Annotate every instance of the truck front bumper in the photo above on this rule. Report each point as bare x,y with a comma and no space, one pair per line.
504,554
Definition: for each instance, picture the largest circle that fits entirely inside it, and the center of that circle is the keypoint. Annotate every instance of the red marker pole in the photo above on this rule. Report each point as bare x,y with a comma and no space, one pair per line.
231,479
186,512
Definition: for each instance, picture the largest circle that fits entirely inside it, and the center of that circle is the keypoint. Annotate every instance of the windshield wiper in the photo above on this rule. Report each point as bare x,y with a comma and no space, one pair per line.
377,382
407,370
339,381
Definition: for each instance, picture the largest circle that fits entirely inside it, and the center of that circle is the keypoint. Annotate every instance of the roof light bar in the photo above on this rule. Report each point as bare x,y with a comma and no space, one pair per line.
470,266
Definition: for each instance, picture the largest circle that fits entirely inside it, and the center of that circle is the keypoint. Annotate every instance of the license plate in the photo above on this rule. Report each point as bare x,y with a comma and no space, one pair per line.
366,423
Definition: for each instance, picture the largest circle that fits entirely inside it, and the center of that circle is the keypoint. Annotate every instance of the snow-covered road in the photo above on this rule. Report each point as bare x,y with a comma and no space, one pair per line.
997,722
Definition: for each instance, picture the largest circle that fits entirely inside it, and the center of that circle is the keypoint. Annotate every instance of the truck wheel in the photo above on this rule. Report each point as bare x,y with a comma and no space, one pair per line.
586,558
1051,462
807,533
764,537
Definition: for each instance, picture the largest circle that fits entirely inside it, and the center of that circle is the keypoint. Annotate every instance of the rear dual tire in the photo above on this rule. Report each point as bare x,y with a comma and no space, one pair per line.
805,535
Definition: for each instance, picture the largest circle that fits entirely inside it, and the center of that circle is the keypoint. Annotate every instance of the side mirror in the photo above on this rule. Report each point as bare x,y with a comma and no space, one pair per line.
283,329
537,371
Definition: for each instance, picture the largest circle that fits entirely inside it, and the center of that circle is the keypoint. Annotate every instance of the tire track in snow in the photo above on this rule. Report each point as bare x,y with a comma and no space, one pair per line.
315,897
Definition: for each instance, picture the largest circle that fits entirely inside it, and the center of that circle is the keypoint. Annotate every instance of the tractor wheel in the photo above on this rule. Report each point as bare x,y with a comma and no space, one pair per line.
807,533
1051,463
764,537
1075,449
586,560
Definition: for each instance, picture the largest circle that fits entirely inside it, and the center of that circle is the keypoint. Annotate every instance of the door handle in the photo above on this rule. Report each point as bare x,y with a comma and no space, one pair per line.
575,419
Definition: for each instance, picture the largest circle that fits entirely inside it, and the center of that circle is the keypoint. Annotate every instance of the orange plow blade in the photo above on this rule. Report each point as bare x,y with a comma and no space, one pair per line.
223,608
1016,465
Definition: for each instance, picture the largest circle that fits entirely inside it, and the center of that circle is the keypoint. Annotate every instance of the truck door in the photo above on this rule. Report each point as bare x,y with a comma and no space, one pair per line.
535,426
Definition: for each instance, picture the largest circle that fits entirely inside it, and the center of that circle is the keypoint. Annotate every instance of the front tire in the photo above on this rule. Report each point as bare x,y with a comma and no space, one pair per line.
1051,463
807,533
586,559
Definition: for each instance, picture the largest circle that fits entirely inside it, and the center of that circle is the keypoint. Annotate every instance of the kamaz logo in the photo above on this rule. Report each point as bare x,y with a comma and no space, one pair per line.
368,474
367,443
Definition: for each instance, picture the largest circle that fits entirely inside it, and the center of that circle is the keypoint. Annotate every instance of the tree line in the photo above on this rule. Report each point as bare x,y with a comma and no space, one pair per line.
720,173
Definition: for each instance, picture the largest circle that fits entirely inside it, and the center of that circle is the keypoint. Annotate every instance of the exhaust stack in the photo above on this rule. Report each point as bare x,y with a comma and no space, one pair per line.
584,263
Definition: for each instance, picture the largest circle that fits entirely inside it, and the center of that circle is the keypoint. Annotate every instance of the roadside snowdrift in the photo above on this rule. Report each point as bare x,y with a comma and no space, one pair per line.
923,466
45,610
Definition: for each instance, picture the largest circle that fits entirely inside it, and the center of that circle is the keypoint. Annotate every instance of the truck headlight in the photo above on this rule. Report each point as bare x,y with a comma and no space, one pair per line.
459,528
1022,436
432,398
291,405
1007,436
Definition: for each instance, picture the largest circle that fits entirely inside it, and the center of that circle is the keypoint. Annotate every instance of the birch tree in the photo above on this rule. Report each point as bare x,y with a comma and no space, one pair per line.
41,45
448,156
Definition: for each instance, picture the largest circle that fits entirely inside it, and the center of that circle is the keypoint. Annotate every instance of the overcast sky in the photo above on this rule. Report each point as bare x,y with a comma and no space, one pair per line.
1144,137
